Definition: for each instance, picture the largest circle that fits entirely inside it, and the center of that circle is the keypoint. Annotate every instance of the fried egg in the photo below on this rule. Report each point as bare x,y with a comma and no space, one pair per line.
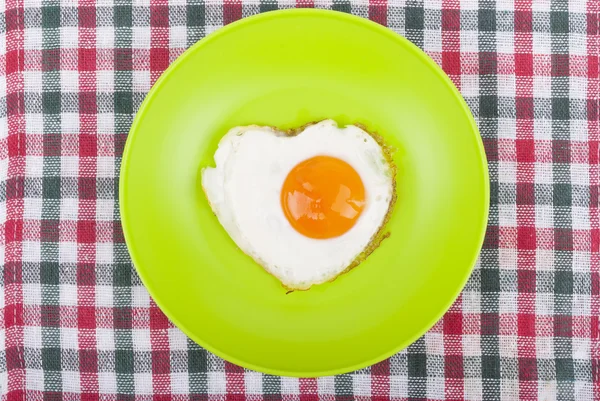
304,206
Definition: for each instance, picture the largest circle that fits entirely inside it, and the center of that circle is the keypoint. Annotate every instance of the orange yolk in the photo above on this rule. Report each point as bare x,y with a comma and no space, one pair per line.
322,197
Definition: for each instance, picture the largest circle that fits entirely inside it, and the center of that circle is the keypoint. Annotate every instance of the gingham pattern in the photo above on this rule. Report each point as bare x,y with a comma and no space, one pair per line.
77,324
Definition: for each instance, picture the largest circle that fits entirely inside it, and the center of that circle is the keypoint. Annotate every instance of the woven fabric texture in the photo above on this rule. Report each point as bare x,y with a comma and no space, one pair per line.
76,322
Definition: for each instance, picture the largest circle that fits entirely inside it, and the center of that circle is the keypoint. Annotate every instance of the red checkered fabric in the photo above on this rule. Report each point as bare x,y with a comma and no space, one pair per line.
76,322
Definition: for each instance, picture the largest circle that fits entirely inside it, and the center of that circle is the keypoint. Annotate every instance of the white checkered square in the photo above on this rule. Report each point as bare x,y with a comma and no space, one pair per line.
253,383
105,37
68,295
143,383
141,340
69,37
217,382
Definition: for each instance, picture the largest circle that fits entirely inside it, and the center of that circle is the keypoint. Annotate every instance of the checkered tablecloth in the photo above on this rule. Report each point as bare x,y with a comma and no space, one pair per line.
76,322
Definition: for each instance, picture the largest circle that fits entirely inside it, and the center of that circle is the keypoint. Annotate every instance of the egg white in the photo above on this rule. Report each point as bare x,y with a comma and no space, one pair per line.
244,192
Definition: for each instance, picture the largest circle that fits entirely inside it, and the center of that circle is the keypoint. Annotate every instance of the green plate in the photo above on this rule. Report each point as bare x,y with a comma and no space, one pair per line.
288,68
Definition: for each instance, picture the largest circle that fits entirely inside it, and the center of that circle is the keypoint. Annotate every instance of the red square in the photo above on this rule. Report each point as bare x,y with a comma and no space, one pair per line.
593,152
157,319
118,236
17,145
87,16
525,193
451,63
526,325
15,104
13,313
592,23
524,107
523,21
159,59
491,148
53,396
232,11
119,140
86,317
13,274
159,16
87,59
13,62
14,18
381,369
88,360
15,360
524,65
88,145
235,383
86,231
13,230
377,12
232,368
526,238
527,369
454,366
309,387
161,362
525,150
453,323
594,320
526,281
86,277
592,66
450,20
87,103
87,188
594,201
88,396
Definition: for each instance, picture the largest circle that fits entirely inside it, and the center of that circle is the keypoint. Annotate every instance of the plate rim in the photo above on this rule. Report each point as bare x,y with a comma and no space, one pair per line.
402,41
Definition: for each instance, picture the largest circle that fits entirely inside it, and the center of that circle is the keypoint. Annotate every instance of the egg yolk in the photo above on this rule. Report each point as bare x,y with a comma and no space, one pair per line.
322,197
